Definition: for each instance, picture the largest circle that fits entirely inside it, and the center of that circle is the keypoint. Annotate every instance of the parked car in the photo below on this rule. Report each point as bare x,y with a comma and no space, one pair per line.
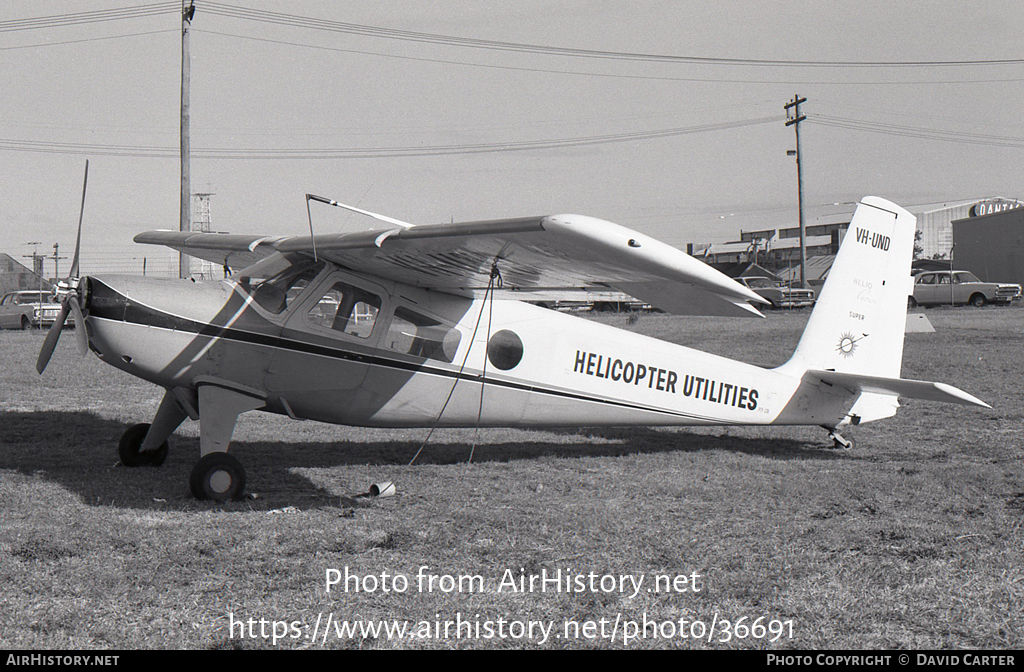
932,288
25,309
780,295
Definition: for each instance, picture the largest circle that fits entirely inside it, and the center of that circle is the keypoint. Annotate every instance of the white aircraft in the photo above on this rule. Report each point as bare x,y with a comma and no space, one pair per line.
422,326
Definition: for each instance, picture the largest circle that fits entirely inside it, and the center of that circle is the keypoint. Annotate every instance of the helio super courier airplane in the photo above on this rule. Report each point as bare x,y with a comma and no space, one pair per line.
430,325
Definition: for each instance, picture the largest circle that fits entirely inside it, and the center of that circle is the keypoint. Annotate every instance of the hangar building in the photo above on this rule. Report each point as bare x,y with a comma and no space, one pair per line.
991,245
16,276
936,226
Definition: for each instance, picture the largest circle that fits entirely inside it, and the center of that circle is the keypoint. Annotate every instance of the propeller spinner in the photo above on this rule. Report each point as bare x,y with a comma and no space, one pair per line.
70,299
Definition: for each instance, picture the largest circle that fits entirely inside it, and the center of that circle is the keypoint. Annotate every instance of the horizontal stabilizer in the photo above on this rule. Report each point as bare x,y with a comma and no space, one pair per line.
910,389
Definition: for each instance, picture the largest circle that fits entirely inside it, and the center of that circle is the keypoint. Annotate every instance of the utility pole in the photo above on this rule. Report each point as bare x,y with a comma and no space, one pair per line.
952,294
37,262
56,260
793,118
185,223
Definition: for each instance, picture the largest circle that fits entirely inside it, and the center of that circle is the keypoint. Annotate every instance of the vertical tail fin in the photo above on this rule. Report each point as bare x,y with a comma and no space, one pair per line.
858,322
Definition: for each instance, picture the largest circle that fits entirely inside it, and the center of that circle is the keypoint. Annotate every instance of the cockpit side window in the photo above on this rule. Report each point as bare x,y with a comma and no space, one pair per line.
421,336
346,309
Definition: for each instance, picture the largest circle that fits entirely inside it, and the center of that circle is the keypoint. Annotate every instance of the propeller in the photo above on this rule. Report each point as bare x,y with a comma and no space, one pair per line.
68,293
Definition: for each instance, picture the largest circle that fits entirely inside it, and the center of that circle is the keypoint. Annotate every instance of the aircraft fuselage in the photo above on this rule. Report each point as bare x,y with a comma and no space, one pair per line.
414,353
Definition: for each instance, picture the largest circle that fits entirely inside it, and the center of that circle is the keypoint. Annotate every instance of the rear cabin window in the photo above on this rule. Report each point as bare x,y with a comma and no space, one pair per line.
412,333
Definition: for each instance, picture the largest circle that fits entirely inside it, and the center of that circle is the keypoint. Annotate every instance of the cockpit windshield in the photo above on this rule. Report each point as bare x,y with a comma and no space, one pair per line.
279,280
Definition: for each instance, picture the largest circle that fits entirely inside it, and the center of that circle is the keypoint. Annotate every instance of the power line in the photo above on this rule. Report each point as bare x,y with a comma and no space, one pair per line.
607,75
277,18
320,24
294,21
913,132
80,18
88,39
368,152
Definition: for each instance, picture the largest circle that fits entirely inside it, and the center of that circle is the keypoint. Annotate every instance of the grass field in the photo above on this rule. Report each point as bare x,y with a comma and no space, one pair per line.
912,540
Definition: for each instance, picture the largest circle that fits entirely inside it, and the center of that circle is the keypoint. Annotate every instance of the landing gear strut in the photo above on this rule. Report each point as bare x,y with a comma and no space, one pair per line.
838,442
216,475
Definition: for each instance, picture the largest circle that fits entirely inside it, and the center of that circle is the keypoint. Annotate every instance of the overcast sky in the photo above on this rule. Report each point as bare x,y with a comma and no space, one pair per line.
906,100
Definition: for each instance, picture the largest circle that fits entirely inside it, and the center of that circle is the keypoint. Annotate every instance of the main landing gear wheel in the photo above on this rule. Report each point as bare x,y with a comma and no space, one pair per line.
217,476
131,442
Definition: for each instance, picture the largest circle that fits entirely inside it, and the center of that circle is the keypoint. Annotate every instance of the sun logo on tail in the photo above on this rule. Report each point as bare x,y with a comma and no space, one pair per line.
847,345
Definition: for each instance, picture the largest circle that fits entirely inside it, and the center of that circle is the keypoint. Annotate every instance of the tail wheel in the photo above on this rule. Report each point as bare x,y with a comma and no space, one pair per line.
128,448
217,476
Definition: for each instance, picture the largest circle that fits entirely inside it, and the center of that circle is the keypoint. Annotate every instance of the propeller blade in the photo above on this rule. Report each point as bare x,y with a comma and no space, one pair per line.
70,302
81,338
81,213
52,337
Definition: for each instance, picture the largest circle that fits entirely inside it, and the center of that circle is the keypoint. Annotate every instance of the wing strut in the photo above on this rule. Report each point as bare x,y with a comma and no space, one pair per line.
495,281
352,208
379,217
309,214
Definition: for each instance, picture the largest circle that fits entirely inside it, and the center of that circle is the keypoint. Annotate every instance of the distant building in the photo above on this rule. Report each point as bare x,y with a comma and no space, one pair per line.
774,248
936,226
780,248
16,276
991,245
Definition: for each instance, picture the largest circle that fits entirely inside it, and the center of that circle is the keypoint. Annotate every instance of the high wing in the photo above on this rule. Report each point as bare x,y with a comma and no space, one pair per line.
571,253
231,250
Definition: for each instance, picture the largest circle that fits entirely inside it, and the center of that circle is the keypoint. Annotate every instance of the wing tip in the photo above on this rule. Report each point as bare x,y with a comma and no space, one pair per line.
964,397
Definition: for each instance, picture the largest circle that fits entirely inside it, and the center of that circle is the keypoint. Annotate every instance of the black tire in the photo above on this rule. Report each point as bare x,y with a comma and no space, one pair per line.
25,323
130,443
911,302
217,476
978,300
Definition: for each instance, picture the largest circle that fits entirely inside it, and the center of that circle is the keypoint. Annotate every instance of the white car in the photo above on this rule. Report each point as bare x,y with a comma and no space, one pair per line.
933,288
25,309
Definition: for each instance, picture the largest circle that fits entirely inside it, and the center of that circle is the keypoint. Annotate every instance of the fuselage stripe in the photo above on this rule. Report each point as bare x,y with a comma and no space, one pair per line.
143,315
